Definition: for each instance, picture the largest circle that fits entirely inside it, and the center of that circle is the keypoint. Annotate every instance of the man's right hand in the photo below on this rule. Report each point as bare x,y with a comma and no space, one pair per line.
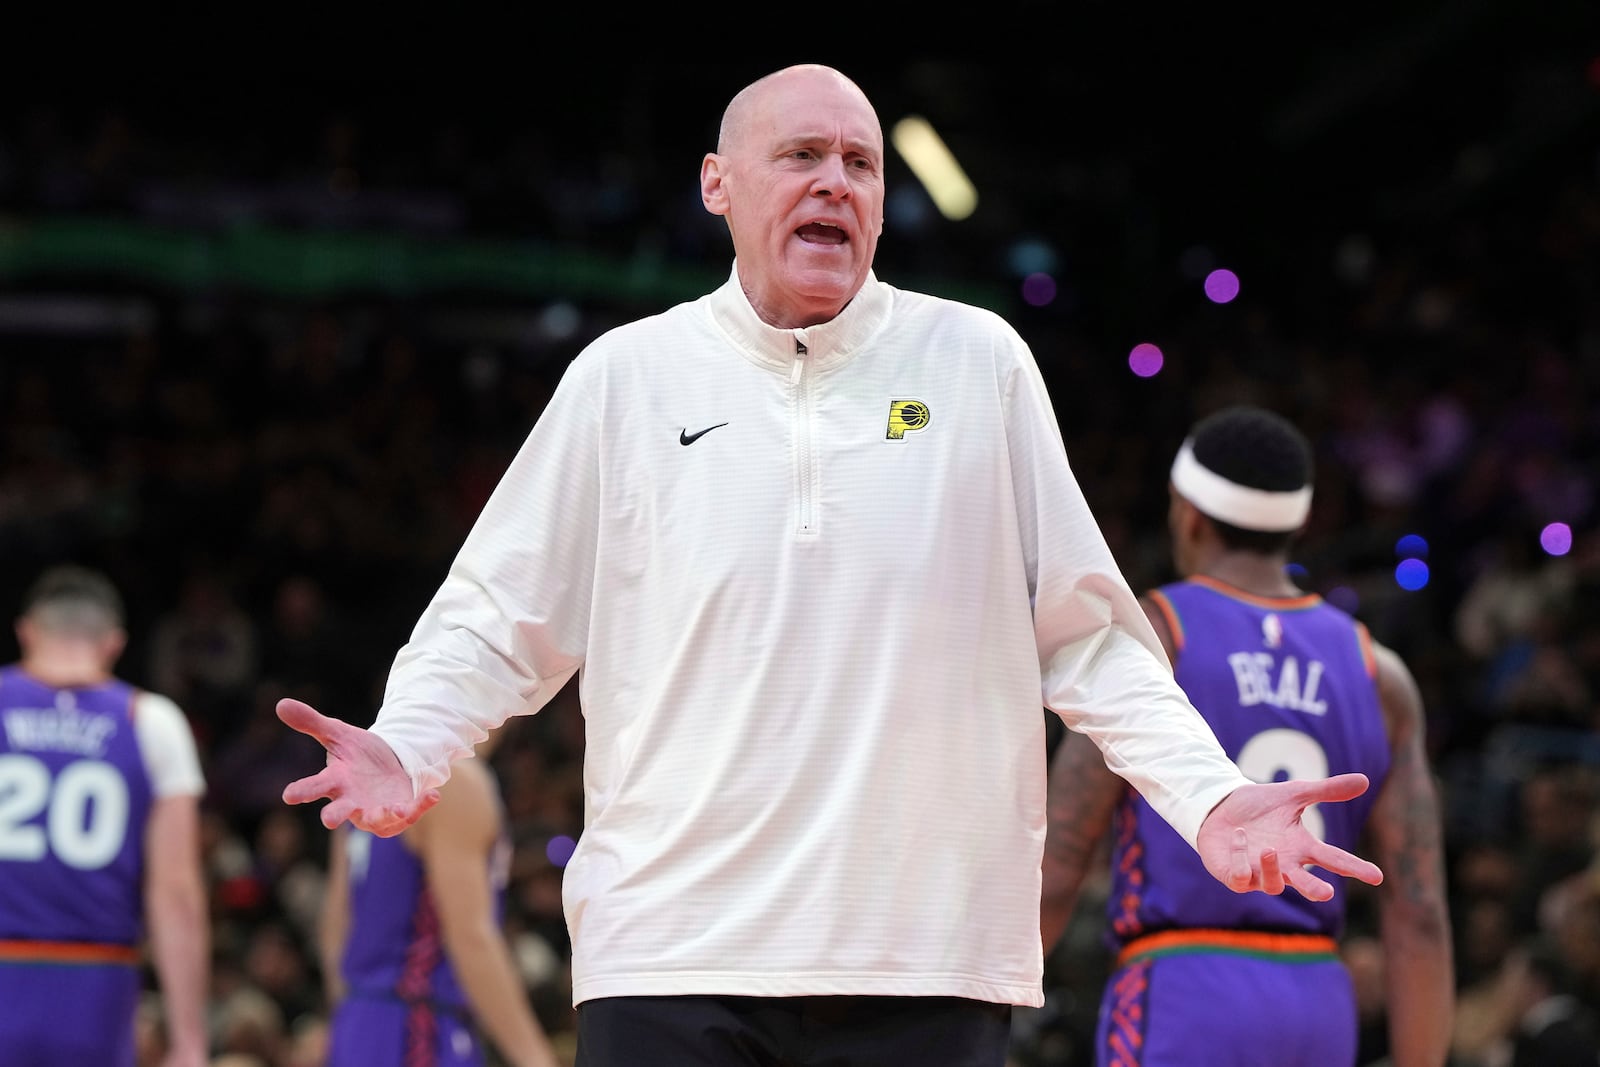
363,781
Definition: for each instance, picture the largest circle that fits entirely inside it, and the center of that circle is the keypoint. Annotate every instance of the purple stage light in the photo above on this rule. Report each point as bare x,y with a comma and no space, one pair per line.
1222,286
1145,360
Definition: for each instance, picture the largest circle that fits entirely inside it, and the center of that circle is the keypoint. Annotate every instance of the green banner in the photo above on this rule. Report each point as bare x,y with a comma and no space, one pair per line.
318,265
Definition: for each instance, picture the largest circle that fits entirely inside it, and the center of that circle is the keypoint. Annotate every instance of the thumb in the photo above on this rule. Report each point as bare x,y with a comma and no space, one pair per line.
1335,788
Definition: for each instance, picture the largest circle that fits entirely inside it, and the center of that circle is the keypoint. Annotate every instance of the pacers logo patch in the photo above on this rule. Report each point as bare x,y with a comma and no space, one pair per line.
907,416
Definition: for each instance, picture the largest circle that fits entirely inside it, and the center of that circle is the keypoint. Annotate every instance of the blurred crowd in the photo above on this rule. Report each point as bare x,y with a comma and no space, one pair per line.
278,486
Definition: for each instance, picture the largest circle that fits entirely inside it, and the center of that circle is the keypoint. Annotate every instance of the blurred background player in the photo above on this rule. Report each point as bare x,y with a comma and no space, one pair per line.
99,842
1293,687
414,956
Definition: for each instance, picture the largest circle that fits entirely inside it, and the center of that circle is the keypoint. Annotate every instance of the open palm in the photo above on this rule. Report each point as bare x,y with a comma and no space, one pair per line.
363,781
1255,839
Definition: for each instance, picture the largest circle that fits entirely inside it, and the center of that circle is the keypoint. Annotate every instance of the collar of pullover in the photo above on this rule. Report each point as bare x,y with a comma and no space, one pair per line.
826,343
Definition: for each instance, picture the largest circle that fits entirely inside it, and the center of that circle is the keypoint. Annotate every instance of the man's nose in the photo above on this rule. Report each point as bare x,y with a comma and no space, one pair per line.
832,179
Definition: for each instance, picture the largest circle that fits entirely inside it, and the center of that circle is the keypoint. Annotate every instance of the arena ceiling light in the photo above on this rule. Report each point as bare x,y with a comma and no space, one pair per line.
935,167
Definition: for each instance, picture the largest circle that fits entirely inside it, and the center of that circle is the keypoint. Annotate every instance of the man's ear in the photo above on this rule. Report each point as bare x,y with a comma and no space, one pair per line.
713,191
112,645
1188,520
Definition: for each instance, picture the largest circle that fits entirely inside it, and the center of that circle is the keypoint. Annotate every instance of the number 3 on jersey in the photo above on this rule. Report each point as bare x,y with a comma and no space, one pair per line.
84,809
1282,754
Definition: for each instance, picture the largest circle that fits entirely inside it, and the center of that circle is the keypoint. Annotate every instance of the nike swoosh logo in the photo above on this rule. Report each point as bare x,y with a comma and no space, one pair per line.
687,438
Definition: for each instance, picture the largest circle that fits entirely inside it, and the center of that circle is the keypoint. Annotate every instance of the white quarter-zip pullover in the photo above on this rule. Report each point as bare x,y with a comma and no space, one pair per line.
817,583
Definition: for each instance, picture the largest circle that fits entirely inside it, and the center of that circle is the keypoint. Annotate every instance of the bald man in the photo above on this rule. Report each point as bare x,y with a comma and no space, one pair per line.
814,544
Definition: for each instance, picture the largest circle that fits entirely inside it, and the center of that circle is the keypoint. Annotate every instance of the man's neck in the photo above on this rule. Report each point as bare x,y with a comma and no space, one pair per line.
65,671
1253,573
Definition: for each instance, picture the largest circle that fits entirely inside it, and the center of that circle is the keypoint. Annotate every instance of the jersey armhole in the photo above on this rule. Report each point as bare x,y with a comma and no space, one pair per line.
1170,614
1369,658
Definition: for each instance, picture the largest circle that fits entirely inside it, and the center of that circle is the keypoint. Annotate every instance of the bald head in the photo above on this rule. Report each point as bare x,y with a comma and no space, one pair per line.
751,101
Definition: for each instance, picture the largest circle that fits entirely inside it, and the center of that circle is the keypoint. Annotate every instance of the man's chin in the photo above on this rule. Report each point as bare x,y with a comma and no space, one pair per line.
834,284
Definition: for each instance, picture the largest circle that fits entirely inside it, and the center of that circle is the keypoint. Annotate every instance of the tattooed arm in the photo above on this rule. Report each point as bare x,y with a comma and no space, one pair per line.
1413,917
1083,795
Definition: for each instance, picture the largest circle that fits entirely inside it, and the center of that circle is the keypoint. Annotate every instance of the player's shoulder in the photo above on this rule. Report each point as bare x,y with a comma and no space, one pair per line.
156,713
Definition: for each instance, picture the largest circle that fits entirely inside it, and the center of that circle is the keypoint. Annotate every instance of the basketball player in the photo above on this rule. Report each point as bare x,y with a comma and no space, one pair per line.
412,949
99,842
1293,688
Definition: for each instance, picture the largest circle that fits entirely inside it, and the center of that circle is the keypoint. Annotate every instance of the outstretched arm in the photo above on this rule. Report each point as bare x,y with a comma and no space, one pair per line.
1083,795
363,781
1413,918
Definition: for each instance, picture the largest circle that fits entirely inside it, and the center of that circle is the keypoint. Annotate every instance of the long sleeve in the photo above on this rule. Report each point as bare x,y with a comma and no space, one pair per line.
508,626
1103,670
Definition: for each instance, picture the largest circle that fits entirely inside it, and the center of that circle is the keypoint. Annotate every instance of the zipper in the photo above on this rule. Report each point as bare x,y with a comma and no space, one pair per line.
805,461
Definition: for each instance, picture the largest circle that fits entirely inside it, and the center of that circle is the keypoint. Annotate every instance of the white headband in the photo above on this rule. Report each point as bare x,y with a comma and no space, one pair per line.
1238,505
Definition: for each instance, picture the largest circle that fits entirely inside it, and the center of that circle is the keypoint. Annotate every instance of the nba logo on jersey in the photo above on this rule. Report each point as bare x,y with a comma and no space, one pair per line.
1271,631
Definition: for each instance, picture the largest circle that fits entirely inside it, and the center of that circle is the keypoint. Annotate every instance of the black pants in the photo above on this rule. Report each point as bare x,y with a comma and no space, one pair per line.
792,1032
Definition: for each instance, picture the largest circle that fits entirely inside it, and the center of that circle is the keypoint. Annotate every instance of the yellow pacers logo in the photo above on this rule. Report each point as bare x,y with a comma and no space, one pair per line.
906,416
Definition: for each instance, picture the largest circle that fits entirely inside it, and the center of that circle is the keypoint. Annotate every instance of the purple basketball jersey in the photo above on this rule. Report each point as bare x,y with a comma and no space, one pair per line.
1287,685
74,799
72,828
394,948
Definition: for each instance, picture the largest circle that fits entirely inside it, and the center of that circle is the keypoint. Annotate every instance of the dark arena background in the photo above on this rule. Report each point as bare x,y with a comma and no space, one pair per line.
265,346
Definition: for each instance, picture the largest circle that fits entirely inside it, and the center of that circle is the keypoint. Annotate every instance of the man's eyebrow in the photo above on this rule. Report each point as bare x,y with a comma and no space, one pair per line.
855,145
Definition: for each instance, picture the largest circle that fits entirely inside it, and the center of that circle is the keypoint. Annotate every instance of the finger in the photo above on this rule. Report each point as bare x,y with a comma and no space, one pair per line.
428,799
337,811
308,720
1335,859
1241,876
1272,879
1308,885
395,818
322,784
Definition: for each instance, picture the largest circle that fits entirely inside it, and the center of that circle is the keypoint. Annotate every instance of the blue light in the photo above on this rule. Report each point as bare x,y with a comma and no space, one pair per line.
1411,546
1411,574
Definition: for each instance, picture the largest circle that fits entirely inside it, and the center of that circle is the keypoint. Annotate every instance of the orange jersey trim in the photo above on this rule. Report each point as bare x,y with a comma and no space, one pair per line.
1170,613
1238,942
66,952
1368,656
1276,603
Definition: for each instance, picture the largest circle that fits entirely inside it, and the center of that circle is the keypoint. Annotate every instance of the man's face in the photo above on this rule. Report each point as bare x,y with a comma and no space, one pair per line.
802,189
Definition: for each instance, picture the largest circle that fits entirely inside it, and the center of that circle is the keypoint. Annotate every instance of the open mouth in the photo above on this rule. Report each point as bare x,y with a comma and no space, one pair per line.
821,233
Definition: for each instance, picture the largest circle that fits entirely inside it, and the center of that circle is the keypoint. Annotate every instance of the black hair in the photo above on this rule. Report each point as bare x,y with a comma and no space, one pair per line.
1259,449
